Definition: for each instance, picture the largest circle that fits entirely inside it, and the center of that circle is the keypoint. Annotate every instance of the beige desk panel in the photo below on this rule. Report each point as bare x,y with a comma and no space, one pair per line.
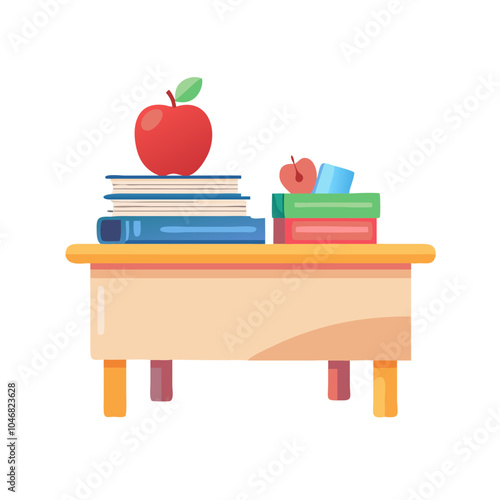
250,314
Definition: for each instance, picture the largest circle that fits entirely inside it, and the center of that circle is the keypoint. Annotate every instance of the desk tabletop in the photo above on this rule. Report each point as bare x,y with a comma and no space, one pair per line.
250,253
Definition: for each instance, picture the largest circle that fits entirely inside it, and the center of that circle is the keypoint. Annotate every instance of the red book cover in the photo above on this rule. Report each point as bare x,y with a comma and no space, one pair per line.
325,230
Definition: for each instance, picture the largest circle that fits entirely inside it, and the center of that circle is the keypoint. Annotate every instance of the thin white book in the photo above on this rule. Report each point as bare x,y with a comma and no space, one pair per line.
174,184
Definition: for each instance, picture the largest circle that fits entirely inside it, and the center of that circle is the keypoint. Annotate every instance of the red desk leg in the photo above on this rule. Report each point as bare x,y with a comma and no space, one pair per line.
161,380
339,385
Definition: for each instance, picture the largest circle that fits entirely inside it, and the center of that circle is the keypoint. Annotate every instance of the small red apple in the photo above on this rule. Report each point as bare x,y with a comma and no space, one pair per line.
298,177
174,139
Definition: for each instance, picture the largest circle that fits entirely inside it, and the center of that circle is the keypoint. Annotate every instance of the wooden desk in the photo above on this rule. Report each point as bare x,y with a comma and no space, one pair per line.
251,302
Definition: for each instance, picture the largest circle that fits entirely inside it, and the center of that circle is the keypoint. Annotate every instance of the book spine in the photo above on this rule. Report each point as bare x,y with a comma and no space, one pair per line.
180,230
110,230
278,206
325,230
330,206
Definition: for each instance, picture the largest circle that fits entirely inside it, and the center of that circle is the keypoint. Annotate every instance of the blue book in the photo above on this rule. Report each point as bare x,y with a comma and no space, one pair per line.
170,196
174,183
173,177
178,204
180,230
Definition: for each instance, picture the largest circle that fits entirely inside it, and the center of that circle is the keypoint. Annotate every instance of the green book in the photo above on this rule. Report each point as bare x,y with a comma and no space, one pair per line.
326,206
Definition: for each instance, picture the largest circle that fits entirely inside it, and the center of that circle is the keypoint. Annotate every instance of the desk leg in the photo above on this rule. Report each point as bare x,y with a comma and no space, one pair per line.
161,380
339,384
385,385
115,388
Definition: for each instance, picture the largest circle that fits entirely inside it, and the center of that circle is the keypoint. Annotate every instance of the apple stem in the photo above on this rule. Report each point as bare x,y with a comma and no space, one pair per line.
298,176
172,98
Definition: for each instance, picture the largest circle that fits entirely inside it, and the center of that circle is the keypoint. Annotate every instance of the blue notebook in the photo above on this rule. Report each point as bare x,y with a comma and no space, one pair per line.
181,230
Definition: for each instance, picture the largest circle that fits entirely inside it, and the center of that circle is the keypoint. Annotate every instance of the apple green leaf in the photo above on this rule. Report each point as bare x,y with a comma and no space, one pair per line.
188,89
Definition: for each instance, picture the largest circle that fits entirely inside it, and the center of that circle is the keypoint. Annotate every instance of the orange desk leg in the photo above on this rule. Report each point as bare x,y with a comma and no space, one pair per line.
385,388
115,388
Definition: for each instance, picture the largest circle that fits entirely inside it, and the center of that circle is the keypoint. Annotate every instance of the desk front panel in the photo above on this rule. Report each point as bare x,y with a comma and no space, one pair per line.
290,313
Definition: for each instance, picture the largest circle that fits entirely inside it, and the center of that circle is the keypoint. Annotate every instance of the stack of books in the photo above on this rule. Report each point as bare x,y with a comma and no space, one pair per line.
326,217
178,209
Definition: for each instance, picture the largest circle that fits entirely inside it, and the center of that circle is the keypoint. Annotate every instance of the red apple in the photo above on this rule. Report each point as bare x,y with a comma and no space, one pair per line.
173,139
298,177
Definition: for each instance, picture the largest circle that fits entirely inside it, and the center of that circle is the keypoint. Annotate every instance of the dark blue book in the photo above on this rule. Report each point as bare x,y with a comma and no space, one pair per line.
180,230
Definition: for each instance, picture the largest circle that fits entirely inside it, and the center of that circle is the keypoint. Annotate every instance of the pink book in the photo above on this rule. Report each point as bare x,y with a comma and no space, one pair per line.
325,230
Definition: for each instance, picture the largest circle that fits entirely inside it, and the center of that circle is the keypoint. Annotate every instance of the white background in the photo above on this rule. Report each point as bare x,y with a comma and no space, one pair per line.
361,112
